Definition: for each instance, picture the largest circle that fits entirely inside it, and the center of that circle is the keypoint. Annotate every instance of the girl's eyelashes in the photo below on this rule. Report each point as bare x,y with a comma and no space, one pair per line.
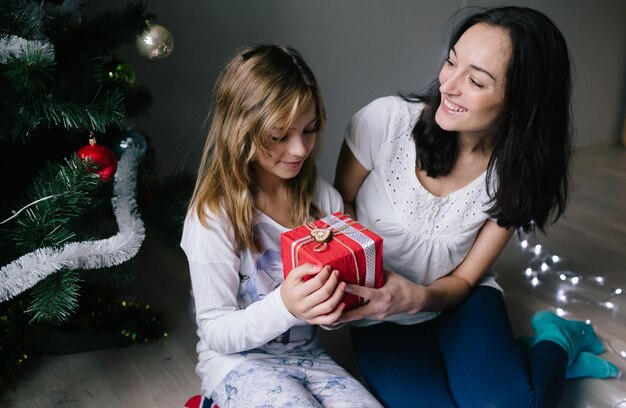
277,138
311,127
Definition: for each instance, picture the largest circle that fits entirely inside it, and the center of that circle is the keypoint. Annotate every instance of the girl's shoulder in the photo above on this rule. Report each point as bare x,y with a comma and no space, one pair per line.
210,220
206,240
326,198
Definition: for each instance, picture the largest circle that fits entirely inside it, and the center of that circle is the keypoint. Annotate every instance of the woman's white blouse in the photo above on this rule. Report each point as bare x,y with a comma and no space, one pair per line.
425,237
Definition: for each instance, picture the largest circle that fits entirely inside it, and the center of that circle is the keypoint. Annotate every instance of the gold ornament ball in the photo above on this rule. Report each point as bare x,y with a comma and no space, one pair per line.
155,43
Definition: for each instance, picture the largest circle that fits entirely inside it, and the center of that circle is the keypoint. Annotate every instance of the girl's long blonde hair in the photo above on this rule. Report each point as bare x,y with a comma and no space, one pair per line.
259,88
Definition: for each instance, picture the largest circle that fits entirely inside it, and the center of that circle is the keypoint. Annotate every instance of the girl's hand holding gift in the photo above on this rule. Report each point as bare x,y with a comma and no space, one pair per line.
317,299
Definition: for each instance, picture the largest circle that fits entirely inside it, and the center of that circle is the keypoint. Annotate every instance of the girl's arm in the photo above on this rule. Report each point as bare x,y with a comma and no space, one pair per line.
214,267
221,323
349,176
401,295
229,329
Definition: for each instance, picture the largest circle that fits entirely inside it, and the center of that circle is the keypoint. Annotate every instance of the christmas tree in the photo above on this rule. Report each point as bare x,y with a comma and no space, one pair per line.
68,217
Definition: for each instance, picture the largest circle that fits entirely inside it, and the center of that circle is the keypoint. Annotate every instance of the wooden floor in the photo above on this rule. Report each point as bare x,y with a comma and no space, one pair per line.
591,242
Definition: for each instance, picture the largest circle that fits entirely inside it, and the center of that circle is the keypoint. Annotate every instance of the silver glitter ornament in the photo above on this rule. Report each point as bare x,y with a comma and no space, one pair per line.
129,138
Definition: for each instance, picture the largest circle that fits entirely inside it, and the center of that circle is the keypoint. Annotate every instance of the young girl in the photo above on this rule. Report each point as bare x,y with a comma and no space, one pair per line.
450,174
256,180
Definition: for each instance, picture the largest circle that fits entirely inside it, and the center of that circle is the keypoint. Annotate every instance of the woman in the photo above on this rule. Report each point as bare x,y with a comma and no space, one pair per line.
450,174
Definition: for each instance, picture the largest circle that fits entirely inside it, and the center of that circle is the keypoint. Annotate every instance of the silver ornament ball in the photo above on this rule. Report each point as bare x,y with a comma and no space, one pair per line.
155,43
129,138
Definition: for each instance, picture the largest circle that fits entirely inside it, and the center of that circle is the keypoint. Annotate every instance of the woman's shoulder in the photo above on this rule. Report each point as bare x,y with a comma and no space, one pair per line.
394,104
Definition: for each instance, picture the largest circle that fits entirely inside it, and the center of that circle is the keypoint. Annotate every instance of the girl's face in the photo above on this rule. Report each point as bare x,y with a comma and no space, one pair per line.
473,82
288,148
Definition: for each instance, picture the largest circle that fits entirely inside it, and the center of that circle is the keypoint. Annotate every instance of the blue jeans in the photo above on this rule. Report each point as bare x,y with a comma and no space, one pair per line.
467,357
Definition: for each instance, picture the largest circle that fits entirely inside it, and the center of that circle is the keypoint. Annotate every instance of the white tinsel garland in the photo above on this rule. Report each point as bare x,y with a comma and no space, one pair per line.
27,270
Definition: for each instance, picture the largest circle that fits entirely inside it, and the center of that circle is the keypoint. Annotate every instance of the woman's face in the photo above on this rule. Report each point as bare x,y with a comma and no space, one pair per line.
288,148
473,82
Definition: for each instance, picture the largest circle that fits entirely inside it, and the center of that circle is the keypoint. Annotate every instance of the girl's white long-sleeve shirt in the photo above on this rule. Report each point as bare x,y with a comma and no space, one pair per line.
239,311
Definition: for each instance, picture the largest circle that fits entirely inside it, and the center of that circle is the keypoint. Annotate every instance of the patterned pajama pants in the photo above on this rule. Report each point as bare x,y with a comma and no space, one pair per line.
303,381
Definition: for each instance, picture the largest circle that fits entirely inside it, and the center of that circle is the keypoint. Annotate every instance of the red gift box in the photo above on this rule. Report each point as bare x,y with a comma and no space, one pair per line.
338,241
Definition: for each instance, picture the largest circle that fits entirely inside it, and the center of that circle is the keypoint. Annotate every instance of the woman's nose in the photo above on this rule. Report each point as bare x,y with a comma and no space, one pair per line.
450,84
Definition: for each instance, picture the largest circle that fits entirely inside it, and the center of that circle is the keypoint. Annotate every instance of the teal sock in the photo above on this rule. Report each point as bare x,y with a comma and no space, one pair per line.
589,365
586,364
573,335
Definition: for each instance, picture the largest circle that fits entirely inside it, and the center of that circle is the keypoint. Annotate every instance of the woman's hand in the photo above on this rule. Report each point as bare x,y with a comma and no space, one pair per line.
396,296
317,300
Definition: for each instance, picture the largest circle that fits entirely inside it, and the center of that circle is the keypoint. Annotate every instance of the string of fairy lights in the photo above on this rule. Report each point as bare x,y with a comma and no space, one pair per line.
573,287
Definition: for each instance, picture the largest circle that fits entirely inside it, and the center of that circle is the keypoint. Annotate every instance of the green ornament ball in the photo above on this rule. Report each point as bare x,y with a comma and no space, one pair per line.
120,72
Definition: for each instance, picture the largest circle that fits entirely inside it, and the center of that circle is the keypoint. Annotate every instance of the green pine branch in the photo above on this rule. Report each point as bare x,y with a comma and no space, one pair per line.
50,111
22,18
55,298
106,110
29,73
62,193
67,191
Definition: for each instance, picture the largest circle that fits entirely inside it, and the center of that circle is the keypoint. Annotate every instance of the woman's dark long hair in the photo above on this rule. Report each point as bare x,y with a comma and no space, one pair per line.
534,140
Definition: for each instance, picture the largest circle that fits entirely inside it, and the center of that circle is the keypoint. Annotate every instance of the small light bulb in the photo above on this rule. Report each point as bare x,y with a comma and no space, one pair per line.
575,280
560,312
600,280
544,267
537,249
617,291
609,305
562,277
534,281
524,244
588,321
555,258
528,272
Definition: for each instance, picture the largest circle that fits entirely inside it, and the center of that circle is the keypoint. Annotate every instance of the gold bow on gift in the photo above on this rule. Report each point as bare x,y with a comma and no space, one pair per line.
322,235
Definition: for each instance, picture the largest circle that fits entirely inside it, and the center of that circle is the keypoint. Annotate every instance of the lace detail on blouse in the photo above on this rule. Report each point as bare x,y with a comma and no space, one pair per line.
427,213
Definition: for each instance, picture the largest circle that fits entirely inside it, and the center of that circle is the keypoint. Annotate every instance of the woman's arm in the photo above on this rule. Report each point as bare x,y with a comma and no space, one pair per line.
452,289
349,176
401,295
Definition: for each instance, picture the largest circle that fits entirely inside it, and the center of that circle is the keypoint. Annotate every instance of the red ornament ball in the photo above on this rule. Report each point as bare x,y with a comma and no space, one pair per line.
102,157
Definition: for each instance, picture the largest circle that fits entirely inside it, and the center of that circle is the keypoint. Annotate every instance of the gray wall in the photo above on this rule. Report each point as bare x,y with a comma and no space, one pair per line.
359,50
